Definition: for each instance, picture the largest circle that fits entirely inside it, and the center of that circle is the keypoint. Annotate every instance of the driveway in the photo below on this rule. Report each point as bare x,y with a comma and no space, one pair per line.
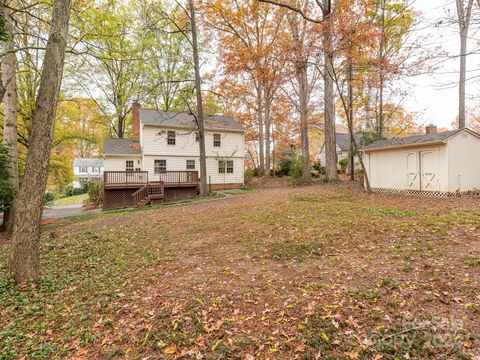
55,212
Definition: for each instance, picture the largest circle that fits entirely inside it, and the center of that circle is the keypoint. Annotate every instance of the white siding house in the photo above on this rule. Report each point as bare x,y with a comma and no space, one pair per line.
442,163
164,141
86,169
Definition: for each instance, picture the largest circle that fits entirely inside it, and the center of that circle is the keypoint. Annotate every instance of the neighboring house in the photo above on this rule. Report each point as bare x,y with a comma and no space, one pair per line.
85,170
343,149
165,147
439,163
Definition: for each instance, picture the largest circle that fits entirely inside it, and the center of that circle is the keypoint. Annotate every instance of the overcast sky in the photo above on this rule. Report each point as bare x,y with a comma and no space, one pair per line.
435,96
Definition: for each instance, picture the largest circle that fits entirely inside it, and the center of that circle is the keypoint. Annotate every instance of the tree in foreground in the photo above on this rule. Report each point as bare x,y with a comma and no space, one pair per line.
24,262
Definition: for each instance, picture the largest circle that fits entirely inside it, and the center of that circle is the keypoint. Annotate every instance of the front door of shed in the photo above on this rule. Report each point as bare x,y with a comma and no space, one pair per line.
422,170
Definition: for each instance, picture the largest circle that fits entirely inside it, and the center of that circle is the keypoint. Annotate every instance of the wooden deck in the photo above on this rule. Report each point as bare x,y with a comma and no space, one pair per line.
135,188
138,179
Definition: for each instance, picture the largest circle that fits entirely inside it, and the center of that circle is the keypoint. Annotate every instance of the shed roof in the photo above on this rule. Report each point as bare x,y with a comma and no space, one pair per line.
87,162
412,140
113,146
187,120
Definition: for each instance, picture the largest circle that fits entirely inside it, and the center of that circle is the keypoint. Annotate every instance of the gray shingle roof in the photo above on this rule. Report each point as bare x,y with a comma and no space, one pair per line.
87,162
412,140
186,120
121,147
343,141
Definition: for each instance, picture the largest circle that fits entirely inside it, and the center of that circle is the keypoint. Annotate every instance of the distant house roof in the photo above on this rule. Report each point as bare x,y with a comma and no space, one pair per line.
343,141
413,140
121,147
87,162
187,120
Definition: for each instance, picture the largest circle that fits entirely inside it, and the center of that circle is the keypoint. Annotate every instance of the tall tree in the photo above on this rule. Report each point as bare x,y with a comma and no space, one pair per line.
9,81
198,90
464,13
328,28
111,54
301,54
250,35
24,261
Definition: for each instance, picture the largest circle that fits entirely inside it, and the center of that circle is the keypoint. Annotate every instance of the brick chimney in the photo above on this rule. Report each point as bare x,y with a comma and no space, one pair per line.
135,121
431,129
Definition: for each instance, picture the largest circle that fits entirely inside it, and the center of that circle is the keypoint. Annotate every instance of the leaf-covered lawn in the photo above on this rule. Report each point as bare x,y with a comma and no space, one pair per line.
314,272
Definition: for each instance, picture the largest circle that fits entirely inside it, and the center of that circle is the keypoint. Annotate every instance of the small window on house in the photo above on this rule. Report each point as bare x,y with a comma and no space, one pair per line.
197,136
221,166
230,167
160,166
129,165
82,169
216,140
190,164
171,137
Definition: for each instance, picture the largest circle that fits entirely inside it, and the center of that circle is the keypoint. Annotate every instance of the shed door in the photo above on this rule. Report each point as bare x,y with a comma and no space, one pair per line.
413,178
429,170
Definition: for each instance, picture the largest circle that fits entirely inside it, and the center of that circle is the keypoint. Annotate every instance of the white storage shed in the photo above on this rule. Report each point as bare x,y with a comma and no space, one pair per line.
441,163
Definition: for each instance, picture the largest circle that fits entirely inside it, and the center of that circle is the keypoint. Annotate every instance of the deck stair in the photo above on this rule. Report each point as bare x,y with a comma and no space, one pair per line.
151,191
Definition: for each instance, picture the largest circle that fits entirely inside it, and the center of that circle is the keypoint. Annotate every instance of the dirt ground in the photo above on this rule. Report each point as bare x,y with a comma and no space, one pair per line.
320,272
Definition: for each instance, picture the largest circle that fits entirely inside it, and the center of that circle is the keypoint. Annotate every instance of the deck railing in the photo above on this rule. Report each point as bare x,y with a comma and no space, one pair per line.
125,178
179,177
128,179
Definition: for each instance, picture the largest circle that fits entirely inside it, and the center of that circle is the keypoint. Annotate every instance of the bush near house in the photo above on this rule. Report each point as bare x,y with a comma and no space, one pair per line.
95,192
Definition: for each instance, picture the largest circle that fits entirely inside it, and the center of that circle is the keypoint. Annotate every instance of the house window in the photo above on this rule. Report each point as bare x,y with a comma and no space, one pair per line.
160,166
190,164
82,169
129,165
225,166
221,166
171,137
216,140
197,136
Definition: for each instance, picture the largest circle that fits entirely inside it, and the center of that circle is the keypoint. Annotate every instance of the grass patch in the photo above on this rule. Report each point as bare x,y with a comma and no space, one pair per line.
297,251
306,198
388,212
70,200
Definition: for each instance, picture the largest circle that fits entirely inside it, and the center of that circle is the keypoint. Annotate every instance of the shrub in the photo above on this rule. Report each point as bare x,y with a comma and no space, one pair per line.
95,192
343,164
249,174
321,169
48,197
71,191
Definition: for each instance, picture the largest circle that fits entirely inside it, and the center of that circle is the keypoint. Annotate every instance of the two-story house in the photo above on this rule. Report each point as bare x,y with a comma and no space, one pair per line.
165,148
85,170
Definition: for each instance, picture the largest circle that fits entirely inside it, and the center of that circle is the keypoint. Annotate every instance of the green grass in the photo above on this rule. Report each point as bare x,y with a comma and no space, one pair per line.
71,200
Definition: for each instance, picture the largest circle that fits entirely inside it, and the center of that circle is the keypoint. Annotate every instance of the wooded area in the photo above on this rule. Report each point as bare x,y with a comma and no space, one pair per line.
284,69
294,74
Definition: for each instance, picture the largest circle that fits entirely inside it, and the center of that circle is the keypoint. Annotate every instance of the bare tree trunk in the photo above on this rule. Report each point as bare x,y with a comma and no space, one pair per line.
267,104
9,80
350,120
301,73
24,262
198,90
464,15
303,102
329,112
261,135
380,122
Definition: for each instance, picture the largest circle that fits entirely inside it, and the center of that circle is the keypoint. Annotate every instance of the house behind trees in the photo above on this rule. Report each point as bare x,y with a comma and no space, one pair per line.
86,170
164,148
